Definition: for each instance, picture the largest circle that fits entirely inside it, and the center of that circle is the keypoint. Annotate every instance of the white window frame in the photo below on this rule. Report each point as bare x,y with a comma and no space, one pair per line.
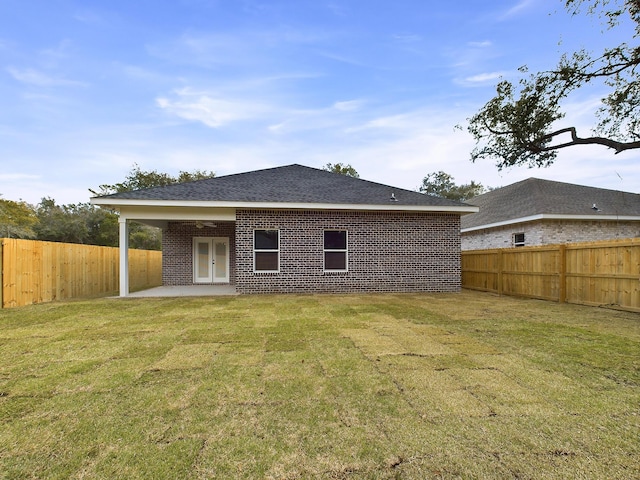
264,250
517,243
334,250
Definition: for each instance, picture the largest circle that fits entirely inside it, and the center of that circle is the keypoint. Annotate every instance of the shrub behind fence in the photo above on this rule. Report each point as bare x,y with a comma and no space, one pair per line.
32,271
597,274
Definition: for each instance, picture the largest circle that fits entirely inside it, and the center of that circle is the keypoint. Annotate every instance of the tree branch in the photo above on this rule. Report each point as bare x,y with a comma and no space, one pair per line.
575,140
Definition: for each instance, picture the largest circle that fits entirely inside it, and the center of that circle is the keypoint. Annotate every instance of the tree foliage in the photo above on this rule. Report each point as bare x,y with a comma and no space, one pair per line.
75,223
519,125
347,170
138,179
88,224
17,219
441,184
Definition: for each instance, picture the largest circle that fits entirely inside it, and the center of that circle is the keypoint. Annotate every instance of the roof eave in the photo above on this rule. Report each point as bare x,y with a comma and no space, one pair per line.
553,216
124,202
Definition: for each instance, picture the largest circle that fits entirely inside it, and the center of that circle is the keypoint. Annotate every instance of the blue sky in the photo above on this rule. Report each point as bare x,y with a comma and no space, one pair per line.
89,88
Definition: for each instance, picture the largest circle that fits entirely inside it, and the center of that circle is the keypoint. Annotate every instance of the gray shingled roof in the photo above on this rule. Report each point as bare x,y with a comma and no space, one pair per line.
535,196
287,184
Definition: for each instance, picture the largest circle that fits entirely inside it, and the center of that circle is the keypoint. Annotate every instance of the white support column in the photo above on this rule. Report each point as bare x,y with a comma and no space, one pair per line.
124,257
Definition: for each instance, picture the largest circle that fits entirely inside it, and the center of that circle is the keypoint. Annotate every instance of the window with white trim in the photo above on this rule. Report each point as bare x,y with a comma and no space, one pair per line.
335,251
518,239
266,251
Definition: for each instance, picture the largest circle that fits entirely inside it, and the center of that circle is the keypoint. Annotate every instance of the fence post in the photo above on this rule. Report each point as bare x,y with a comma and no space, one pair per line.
500,268
562,278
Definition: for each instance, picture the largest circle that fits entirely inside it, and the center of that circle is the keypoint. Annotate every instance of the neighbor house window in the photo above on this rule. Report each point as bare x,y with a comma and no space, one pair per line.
266,250
335,250
518,239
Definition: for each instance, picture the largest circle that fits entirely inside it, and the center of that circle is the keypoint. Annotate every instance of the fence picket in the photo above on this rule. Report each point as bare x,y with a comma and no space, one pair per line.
594,273
32,271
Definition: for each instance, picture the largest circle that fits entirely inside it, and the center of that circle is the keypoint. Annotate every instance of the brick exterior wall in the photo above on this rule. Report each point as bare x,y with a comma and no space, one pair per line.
387,252
546,232
177,250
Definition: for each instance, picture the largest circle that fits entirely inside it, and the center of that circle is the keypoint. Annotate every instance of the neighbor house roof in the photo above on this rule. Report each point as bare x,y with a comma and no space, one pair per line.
536,199
283,186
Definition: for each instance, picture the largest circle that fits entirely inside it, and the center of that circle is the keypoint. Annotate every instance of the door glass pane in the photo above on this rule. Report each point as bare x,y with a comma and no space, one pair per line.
203,259
221,260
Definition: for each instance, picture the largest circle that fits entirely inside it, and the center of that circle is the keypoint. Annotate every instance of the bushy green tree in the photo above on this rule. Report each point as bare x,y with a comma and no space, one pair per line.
17,219
347,170
521,124
138,179
441,184
88,224
75,223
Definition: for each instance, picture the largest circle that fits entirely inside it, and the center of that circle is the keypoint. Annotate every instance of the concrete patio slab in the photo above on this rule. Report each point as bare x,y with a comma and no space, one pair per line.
186,291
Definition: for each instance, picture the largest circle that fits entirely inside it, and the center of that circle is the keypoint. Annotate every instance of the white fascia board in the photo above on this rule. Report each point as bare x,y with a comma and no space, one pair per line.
555,216
148,205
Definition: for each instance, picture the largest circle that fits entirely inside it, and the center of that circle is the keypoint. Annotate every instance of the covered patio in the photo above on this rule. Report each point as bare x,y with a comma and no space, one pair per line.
202,220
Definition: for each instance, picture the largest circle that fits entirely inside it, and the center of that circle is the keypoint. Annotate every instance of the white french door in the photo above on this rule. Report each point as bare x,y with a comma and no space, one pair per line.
210,260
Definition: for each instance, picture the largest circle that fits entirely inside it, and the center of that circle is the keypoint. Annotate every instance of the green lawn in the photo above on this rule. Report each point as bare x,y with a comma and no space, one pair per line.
350,386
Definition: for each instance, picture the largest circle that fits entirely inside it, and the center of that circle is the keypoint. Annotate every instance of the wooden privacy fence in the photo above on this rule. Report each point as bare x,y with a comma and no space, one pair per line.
596,274
33,271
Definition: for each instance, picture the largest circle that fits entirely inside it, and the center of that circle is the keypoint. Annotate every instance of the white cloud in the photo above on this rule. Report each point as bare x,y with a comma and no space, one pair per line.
517,9
89,17
482,44
398,122
210,109
37,78
336,118
482,78
51,57
258,49
13,177
348,106
343,59
407,37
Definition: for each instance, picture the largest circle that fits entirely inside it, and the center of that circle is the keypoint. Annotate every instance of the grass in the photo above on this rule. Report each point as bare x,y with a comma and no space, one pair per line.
345,386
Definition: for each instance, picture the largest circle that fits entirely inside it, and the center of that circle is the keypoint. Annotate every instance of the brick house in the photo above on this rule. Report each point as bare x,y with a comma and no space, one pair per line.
541,212
297,229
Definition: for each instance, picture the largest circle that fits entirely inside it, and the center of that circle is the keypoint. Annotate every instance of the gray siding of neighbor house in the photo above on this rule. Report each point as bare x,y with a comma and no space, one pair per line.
387,252
177,250
548,232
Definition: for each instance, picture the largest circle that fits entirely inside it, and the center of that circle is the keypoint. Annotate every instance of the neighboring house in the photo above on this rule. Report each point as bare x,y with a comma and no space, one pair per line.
542,212
297,229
